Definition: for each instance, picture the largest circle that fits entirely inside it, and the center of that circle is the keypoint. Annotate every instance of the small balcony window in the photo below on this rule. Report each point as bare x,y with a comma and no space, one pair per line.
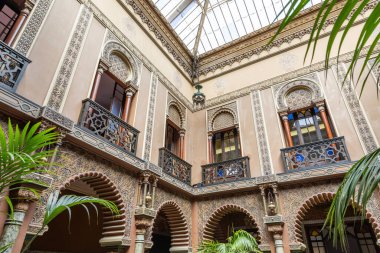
8,15
226,145
307,126
172,140
111,95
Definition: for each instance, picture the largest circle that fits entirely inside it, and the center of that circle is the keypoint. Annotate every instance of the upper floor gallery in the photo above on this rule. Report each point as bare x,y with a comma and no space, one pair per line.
111,69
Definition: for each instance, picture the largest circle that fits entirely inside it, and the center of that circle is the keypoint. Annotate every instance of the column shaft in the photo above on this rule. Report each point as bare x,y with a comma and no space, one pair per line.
95,88
20,21
326,123
285,122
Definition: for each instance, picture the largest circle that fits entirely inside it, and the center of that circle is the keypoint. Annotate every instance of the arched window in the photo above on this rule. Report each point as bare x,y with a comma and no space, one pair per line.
9,13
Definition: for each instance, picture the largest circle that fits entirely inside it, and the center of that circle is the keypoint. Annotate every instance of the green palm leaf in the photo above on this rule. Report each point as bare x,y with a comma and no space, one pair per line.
346,19
240,242
357,187
56,205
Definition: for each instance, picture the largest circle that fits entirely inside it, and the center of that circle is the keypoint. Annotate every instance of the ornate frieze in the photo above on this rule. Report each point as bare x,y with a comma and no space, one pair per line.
71,56
375,69
357,114
261,134
19,103
150,117
222,117
57,118
35,21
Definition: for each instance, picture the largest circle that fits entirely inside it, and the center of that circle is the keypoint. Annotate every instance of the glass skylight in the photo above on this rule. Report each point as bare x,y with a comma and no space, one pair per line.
225,20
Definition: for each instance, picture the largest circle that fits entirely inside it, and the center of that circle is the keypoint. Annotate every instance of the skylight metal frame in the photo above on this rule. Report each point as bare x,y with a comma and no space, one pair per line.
204,25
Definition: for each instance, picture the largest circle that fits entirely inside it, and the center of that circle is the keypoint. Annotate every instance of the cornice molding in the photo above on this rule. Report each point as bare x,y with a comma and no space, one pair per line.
150,16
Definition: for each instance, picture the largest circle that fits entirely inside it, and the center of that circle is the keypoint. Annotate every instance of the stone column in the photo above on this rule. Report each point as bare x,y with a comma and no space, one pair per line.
102,67
20,21
262,191
12,227
127,105
210,148
285,122
322,111
278,243
182,143
144,218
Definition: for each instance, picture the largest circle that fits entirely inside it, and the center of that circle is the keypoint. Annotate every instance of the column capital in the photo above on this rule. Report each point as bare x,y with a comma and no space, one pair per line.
103,65
284,114
182,132
29,5
142,224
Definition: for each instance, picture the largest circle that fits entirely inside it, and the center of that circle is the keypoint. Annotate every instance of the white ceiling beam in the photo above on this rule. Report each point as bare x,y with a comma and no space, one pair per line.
200,28
178,10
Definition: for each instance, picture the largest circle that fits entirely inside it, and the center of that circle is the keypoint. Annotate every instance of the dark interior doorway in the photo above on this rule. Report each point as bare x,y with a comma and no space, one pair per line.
161,237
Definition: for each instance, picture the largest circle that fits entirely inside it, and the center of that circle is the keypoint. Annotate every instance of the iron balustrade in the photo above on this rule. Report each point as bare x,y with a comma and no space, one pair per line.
101,122
315,154
173,165
12,67
231,170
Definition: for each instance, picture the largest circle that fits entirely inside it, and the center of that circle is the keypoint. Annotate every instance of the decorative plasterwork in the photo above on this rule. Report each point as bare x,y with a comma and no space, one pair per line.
68,64
297,94
150,118
261,134
114,49
173,107
33,26
162,32
257,42
19,103
362,126
221,117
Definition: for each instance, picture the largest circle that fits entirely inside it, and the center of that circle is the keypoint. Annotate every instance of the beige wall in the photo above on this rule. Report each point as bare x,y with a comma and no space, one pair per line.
47,51
85,71
159,124
247,133
274,128
142,107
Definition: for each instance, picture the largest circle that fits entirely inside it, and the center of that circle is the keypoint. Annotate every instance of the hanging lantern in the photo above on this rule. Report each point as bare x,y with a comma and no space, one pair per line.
271,204
199,98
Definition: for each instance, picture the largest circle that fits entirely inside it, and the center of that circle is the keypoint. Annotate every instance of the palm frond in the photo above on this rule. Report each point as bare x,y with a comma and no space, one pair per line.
348,15
356,190
4,248
57,204
23,152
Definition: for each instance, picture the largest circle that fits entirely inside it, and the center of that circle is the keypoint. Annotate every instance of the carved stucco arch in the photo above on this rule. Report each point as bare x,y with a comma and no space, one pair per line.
177,223
180,111
322,198
115,48
104,188
217,216
219,113
300,84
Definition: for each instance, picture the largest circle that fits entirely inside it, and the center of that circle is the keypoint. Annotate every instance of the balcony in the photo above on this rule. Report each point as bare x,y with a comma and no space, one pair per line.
175,166
102,123
12,67
316,154
227,171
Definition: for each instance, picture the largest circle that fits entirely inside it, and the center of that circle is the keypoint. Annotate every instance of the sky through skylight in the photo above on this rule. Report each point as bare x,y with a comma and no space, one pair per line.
225,20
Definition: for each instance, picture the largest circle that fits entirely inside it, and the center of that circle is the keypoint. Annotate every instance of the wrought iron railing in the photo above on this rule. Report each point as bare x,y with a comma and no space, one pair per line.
101,122
174,166
315,154
12,67
231,170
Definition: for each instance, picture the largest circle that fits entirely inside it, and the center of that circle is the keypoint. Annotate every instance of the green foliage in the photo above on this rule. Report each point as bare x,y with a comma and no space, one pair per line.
347,17
56,205
240,242
23,152
357,187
